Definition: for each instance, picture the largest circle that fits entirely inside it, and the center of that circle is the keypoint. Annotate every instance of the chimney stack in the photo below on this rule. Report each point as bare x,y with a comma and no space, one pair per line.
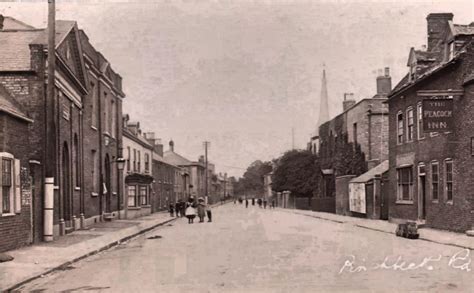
158,147
437,23
348,101
384,83
150,137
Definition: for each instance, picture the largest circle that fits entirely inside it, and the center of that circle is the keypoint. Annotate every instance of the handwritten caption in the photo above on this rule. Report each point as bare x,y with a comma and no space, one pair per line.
459,261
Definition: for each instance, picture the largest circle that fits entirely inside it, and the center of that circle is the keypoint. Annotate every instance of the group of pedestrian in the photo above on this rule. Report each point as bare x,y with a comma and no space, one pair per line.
260,202
191,209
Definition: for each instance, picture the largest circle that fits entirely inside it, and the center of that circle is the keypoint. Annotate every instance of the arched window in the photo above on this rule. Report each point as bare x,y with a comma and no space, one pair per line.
76,161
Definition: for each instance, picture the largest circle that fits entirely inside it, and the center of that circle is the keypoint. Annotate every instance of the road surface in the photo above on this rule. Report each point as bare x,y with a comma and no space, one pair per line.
257,250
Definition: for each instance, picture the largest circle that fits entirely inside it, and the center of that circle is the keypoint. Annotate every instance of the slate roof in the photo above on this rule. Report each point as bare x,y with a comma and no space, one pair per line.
369,175
10,23
9,105
15,44
175,159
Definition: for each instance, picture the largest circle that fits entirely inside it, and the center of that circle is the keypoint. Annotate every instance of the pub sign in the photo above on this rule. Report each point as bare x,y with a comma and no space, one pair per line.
437,115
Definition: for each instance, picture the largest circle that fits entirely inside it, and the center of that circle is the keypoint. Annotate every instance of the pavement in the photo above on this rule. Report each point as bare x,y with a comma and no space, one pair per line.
265,250
35,261
460,240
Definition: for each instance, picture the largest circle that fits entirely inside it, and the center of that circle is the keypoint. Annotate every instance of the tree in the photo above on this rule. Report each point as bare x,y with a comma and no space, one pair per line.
252,181
297,171
348,159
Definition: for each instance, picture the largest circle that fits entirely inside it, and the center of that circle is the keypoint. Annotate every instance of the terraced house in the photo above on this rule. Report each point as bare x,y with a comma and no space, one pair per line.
431,156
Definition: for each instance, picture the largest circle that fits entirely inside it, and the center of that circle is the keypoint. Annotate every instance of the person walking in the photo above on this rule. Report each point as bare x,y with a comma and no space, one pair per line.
259,202
209,213
171,210
201,209
273,203
264,203
253,201
246,203
190,211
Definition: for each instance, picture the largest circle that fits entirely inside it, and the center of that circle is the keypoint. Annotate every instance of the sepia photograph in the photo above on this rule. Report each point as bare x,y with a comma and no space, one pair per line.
236,146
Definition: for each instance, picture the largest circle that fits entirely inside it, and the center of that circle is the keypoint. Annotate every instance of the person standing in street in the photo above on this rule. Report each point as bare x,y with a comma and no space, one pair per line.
246,203
253,201
264,203
209,213
201,209
273,203
190,210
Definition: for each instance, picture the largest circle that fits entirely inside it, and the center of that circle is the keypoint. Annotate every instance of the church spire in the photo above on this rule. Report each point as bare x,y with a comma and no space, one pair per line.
323,101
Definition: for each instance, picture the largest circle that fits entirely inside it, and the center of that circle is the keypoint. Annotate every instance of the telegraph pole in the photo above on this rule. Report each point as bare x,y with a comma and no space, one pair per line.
207,144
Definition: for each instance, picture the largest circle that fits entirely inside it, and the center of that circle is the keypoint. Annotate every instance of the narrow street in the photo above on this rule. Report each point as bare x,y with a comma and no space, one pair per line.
257,250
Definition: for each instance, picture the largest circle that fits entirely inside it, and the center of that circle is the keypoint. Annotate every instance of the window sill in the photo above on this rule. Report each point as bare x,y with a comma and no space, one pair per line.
134,208
77,188
94,194
435,201
114,193
402,202
146,206
449,202
8,215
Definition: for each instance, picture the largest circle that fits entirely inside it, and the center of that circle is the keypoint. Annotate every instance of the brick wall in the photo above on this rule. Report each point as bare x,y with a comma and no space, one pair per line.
15,230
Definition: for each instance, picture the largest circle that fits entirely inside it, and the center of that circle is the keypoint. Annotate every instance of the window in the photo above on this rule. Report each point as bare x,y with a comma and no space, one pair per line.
132,196
449,179
399,128
6,186
95,164
106,113
113,113
143,195
434,181
354,130
147,163
93,106
139,162
410,124
405,184
10,199
66,111
128,158
134,160
419,110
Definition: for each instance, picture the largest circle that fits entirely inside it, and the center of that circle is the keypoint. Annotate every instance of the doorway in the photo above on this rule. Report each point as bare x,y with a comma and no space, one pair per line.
108,204
421,192
66,186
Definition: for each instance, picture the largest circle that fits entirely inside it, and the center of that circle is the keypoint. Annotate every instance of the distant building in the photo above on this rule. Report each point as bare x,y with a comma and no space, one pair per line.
138,170
430,169
196,170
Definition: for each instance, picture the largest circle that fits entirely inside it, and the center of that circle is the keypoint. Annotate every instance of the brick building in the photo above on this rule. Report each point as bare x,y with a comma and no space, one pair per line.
431,173
16,193
364,126
80,122
102,130
138,154
22,73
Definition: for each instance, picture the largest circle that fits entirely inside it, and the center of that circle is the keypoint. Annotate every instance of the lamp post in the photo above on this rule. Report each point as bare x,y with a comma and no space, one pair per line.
120,165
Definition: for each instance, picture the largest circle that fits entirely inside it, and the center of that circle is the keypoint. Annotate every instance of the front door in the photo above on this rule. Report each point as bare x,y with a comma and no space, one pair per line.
108,192
421,192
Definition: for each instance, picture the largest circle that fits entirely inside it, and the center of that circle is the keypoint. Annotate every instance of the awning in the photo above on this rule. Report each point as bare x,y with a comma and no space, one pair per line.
137,178
369,175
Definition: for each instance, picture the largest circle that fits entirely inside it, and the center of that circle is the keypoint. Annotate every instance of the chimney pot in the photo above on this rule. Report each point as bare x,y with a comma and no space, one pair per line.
387,71
384,83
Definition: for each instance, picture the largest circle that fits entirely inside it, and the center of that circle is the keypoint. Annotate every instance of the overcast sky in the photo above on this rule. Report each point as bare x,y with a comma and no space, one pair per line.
241,74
